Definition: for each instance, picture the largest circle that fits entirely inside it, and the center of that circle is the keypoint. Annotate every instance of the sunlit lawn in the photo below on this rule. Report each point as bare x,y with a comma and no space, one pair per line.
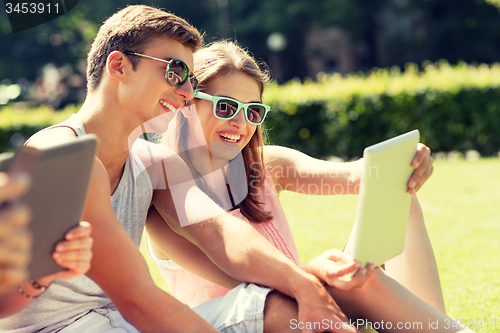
461,204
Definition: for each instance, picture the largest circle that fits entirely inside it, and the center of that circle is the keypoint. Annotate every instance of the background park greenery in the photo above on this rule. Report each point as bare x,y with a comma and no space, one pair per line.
456,108
378,33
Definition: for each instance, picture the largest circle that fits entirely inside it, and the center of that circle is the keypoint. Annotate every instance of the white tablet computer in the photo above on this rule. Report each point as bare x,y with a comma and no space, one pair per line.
384,203
60,176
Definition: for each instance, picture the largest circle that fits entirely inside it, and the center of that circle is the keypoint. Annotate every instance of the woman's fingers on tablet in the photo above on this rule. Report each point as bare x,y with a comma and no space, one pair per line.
333,272
428,170
347,282
422,151
362,275
422,163
337,255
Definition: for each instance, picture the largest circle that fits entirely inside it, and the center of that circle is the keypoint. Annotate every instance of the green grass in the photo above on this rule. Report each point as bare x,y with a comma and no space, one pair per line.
461,205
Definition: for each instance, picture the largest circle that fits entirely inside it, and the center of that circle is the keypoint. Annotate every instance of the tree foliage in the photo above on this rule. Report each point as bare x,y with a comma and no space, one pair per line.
391,32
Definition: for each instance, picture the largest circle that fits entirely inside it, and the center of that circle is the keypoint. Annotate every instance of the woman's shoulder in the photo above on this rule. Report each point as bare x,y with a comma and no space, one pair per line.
160,162
149,151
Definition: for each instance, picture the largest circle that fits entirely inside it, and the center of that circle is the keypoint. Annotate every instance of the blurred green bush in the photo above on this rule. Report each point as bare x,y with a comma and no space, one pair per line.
18,123
454,107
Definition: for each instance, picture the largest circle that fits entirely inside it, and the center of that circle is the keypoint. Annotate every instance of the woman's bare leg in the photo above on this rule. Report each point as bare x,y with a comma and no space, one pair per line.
390,307
416,267
381,301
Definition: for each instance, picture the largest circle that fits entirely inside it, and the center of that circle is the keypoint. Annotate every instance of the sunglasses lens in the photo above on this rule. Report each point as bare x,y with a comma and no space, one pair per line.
255,113
177,73
225,108
194,82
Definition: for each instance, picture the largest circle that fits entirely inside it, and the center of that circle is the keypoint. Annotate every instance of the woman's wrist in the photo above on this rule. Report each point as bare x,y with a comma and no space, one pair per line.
310,267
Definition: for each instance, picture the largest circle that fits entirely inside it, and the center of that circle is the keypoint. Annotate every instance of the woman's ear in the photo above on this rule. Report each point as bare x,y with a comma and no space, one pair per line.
115,64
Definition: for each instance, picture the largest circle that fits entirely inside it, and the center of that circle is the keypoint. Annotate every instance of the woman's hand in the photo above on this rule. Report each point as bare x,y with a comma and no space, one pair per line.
334,267
422,163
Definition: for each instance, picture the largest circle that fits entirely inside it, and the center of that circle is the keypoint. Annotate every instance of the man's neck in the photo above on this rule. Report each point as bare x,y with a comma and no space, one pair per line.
106,119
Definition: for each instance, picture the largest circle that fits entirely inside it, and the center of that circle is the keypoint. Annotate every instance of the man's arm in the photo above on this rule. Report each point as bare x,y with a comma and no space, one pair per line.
332,267
240,251
119,268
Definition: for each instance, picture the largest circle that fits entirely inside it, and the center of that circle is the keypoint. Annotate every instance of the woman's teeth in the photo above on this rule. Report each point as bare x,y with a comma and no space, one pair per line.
230,137
165,104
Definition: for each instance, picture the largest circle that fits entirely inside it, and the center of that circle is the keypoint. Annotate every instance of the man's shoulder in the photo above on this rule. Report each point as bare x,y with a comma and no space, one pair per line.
51,136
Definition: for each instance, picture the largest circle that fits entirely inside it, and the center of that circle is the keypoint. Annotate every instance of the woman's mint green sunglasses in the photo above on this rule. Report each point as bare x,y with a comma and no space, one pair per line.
226,108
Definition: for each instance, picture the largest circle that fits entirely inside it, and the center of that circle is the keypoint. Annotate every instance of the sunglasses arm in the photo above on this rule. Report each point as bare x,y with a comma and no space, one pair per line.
202,95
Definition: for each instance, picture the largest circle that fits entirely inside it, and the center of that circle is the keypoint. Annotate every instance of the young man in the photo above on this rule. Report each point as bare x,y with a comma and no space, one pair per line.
124,91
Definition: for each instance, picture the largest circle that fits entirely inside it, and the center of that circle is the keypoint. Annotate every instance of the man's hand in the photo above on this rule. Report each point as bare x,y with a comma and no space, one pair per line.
334,268
74,253
422,163
317,306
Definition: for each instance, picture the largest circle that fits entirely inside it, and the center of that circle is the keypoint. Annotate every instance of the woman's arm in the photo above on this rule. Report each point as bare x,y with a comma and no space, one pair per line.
295,171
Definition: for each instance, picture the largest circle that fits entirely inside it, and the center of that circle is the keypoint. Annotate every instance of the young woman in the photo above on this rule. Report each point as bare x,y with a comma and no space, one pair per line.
232,165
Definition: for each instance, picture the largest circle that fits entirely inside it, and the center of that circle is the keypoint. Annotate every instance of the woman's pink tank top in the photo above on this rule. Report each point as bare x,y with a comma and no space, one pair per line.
194,290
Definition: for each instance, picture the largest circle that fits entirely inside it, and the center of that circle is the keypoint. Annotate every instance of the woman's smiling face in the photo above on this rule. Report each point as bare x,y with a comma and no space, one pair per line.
226,138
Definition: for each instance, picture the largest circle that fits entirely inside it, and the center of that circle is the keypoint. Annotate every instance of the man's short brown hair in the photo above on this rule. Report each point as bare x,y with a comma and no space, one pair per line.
131,29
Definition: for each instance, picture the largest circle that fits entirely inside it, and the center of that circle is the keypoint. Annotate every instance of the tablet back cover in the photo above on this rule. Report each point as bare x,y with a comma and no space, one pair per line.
56,197
384,203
